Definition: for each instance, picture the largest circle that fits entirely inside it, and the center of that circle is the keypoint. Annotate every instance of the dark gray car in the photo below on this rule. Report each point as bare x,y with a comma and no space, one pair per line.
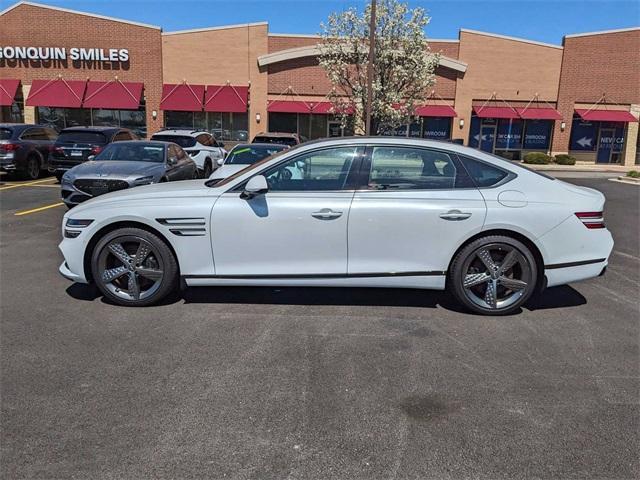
24,149
124,165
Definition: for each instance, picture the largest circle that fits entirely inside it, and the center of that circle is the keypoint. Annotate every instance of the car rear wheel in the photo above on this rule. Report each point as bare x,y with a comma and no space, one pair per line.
134,267
493,275
32,168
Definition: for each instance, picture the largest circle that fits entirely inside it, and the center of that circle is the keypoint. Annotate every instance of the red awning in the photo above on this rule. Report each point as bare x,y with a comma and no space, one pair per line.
56,93
182,96
226,98
542,113
288,106
436,111
496,112
322,108
8,89
114,94
606,115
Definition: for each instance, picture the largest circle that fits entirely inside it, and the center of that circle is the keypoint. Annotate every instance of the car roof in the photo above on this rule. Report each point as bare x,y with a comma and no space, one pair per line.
277,134
181,131
144,142
93,129
22,125
260,144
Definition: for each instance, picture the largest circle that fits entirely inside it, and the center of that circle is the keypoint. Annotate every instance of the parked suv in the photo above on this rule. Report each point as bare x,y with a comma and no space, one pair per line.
290,139
24,149
76,144
201,146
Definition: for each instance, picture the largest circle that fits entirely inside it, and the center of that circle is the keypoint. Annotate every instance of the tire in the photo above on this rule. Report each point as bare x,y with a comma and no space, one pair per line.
32,168
497,284
125,281
208,169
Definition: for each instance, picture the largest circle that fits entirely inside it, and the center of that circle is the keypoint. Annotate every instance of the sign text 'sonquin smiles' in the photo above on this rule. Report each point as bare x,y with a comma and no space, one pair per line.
60,53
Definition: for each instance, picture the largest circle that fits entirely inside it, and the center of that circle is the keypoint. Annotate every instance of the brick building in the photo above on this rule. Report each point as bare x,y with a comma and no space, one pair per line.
500,94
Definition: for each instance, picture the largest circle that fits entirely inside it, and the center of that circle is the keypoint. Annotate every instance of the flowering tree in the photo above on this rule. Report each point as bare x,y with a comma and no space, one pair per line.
403,68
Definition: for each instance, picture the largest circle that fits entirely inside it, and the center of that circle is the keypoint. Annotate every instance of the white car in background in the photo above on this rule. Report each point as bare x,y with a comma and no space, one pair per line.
202,147
243,155
365,212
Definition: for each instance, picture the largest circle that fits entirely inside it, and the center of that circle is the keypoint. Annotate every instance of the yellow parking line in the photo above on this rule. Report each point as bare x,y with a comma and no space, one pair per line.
16,185
39,209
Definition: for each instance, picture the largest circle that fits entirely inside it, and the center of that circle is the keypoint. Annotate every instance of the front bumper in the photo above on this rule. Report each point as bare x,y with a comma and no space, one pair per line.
68,274
73,252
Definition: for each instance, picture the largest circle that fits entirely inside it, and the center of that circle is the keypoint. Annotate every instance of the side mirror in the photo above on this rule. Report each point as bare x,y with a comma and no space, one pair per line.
91,157
220,161
172,160
221,145
255,186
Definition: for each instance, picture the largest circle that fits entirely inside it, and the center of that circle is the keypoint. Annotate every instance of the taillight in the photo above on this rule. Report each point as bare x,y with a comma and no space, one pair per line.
591,219
9,147
96,150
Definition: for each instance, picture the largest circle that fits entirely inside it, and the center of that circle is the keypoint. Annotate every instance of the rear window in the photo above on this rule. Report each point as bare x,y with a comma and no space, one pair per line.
280,140
5,133
82,137
183,140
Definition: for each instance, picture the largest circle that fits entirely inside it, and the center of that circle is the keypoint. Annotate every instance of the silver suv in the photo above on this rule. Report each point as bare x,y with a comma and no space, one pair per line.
201,146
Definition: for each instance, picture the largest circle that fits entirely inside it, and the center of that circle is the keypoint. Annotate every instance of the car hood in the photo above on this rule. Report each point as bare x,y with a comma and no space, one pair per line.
226,171
115,169
145,193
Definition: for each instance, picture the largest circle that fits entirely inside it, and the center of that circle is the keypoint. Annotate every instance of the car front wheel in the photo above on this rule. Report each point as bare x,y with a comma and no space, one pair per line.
134,267
32,168
493,275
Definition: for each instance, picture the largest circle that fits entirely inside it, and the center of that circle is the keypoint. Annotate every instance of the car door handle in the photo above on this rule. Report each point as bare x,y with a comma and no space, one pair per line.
326,214
455,215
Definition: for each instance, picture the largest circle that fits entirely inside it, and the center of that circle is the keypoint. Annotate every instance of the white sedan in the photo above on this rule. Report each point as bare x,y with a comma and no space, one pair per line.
362,212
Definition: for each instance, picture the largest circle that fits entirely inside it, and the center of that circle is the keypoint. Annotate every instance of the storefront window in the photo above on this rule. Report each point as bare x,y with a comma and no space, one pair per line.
510,137
13,113
60,118
605,139
223,125
283,122
436,128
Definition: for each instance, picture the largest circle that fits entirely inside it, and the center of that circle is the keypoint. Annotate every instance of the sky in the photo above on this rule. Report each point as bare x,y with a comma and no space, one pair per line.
541,20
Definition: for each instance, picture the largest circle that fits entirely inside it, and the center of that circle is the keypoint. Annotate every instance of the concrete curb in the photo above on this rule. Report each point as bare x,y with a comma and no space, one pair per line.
627,180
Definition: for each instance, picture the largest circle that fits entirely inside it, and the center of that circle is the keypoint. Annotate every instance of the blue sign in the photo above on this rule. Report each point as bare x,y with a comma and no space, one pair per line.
509,134
474,132
437,128
583,135
537,134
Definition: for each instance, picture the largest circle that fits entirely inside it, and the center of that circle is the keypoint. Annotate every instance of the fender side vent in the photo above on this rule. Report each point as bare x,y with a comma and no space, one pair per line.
181,222
188,232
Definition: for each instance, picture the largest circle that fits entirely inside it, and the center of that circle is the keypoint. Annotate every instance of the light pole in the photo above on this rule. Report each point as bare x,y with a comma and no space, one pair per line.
372,58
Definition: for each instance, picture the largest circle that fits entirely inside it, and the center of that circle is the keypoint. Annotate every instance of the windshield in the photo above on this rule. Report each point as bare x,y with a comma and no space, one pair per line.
250,154
216,182
82,137
5,133
183,140
132,152
279,140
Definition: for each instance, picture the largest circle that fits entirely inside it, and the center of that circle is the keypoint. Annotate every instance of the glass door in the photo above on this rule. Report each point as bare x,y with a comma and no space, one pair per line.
605,145
487,138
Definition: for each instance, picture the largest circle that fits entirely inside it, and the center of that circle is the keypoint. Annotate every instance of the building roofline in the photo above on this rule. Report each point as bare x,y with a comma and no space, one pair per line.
602,32
314,50
211,29
76,12
515,39
312,35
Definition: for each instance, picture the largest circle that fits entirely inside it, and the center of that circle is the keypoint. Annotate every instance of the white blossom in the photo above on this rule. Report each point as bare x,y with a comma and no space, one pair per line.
403,69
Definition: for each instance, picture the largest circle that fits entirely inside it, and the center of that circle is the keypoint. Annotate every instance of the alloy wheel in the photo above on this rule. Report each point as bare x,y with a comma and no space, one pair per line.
496,276
130,268
33,169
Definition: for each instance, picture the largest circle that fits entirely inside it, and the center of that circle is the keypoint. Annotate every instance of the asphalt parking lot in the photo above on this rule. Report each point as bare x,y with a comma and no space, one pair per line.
313,383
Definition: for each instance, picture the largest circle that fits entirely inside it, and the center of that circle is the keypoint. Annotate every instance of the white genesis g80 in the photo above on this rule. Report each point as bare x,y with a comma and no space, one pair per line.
361,212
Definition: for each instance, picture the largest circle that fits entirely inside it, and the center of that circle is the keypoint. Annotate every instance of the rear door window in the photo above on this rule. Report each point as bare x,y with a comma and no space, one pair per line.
405,168
82,137
483,174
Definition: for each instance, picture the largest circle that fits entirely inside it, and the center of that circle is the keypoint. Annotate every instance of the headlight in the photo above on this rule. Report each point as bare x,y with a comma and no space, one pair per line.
78,223
66,179
143,180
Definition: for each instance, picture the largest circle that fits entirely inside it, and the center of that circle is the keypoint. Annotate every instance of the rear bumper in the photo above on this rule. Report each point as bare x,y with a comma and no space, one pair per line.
571,273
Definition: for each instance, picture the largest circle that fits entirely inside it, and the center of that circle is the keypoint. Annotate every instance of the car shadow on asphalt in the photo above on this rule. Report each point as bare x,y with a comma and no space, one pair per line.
556,297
